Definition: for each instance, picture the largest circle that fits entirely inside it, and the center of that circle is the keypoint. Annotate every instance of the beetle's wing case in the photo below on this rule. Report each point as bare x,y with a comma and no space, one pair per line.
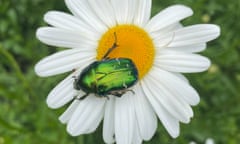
115,74
87,79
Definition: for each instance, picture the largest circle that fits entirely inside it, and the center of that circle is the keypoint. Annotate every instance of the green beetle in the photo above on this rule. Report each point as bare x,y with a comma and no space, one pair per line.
107,76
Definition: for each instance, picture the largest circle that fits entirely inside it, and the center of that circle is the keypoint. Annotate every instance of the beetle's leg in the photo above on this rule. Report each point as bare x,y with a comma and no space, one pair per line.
115,45
73,70
120,93
74,77
82,97
107,97
127,90
106,58
75,80
117,93
74,74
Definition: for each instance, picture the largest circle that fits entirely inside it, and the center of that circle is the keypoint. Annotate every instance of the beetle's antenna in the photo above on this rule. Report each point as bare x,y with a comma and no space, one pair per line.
115,45
115,36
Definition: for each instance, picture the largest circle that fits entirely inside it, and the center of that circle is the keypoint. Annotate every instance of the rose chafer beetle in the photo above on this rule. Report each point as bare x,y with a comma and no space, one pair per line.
108,76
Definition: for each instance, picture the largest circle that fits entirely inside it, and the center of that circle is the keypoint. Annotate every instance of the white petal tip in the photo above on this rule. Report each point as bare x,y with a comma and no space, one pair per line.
72,133
218,30
206,64
62,120
38,70
75,132
215,30
42,33
175,135
46,15
39,32
49,15
188,120
183,7
196,100
51,104
195,103
54,103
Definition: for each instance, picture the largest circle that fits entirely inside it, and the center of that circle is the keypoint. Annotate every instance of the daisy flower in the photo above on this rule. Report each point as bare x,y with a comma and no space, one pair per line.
160,47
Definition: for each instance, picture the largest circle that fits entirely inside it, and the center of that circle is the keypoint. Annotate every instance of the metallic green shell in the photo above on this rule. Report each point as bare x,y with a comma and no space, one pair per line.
106,76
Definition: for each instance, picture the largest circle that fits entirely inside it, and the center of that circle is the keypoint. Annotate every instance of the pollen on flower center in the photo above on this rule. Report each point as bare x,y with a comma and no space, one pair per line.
133,42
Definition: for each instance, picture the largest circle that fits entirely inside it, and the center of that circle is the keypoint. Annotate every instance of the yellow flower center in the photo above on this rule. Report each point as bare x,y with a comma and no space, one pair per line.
133,43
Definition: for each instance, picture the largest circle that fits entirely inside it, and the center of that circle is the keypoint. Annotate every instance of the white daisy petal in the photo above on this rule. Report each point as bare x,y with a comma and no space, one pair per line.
183,90
124,119
181,62
124,10
68,22
136,134
65,38
143,12
147,120
62,93
63,61
87,116
161,34
178,108
108,122
170,123
190,48
162,38
81,9
66,116
195,34
104,10
168,16
120,10
132,9
181,76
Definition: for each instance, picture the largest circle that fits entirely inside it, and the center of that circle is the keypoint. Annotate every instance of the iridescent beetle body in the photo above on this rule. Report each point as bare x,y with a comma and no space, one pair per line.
107,77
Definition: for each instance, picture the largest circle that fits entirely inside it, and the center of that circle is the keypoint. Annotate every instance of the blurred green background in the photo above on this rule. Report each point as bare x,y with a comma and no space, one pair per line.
26,119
